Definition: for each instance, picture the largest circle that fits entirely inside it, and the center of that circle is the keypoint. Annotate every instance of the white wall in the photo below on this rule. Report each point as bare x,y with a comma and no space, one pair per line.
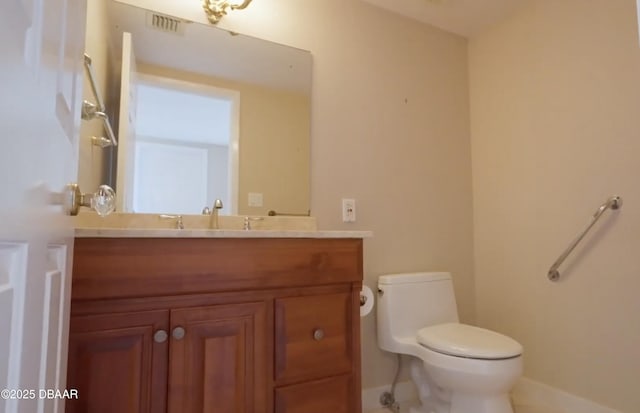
555,103
218,177
389,127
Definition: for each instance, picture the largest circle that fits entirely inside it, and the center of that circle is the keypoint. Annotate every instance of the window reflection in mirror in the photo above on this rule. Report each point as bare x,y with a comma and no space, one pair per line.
185,134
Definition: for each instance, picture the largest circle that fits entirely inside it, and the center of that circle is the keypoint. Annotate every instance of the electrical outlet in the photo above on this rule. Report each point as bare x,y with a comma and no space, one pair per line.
255,199
348,210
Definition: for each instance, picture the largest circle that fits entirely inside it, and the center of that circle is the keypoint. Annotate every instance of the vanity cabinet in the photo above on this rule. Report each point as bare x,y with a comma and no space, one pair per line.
220,325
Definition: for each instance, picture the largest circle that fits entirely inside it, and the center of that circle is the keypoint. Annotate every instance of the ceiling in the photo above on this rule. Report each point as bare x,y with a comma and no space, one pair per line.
463,17
206,49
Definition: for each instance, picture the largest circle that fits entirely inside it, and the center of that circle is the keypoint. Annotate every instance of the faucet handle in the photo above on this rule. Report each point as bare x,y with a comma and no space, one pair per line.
178,218
247,222
206,211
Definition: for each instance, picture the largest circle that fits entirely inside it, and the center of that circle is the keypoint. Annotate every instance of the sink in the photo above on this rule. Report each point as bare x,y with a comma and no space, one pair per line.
88,219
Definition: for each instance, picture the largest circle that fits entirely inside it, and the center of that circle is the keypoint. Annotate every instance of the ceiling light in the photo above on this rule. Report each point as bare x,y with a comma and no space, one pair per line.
216,9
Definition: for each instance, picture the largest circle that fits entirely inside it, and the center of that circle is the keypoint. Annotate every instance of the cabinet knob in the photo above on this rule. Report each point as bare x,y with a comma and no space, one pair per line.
160,336
178,333
318,334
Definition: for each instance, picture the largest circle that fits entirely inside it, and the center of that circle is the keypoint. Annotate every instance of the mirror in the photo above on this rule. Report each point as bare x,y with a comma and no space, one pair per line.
207,114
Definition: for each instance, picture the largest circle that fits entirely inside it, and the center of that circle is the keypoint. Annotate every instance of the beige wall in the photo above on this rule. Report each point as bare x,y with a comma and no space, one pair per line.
274,144
389,128
555,104
275,126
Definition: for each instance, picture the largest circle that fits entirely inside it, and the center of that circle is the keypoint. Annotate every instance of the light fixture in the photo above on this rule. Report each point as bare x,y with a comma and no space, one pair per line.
216,9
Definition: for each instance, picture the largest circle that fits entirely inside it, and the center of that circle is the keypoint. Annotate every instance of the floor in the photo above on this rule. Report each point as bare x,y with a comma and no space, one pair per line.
519,408
532,409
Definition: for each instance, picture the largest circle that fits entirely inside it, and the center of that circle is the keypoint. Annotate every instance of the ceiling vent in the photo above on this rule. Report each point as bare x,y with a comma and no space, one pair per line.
165,23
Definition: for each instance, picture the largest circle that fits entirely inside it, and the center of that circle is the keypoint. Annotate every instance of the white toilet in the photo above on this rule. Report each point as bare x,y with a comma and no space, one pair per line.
457,368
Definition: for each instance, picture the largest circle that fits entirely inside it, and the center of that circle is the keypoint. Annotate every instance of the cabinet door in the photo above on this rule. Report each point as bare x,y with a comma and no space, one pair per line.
115,363
219,359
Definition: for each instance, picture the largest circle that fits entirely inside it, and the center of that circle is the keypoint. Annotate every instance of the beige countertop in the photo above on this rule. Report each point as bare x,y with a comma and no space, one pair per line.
213,233
124,225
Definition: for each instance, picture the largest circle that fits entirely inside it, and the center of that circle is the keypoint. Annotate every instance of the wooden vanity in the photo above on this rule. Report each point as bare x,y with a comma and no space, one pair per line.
224,325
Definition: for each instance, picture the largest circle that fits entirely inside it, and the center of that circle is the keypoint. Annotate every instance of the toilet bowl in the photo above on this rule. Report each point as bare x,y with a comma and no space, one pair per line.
457,368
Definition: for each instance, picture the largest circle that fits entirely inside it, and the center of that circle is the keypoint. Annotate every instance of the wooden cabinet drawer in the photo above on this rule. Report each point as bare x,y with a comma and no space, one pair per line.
332,395
313,336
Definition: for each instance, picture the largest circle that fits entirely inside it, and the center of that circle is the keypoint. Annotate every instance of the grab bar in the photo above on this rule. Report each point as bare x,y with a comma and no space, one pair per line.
615,202
97,110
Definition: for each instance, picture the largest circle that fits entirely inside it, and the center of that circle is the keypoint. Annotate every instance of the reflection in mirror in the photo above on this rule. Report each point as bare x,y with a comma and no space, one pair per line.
194,129
206,114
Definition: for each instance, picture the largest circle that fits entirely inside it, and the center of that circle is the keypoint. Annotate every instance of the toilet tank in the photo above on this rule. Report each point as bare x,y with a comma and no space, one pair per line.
410,301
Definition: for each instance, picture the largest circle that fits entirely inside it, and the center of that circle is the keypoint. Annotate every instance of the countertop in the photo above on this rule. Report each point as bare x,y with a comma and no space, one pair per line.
213,233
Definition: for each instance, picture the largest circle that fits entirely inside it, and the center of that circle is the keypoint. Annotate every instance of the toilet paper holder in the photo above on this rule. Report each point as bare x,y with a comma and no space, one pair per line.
366,301
363,299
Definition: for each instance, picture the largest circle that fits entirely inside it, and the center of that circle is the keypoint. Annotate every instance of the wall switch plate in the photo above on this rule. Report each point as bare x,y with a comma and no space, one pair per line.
348,210
255,199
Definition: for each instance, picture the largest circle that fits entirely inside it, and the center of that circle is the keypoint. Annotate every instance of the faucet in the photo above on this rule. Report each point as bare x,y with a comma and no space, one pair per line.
213,221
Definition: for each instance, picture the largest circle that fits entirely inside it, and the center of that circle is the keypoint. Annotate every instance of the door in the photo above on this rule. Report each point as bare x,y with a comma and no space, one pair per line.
40,97
218,359
118,362
127,126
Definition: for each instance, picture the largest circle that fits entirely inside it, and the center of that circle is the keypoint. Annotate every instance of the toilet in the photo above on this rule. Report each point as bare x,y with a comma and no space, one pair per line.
457,368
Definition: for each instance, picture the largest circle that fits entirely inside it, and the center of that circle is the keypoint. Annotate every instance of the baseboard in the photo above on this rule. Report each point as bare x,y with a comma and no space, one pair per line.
531,392
405,391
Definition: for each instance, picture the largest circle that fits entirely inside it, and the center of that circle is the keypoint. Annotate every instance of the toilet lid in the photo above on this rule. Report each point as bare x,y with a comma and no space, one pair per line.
463,340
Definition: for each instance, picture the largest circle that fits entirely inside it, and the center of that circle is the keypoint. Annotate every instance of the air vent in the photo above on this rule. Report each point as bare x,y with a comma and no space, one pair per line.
165,23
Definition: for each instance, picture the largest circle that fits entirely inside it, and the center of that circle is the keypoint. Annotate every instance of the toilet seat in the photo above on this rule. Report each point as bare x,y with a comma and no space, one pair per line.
462,340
